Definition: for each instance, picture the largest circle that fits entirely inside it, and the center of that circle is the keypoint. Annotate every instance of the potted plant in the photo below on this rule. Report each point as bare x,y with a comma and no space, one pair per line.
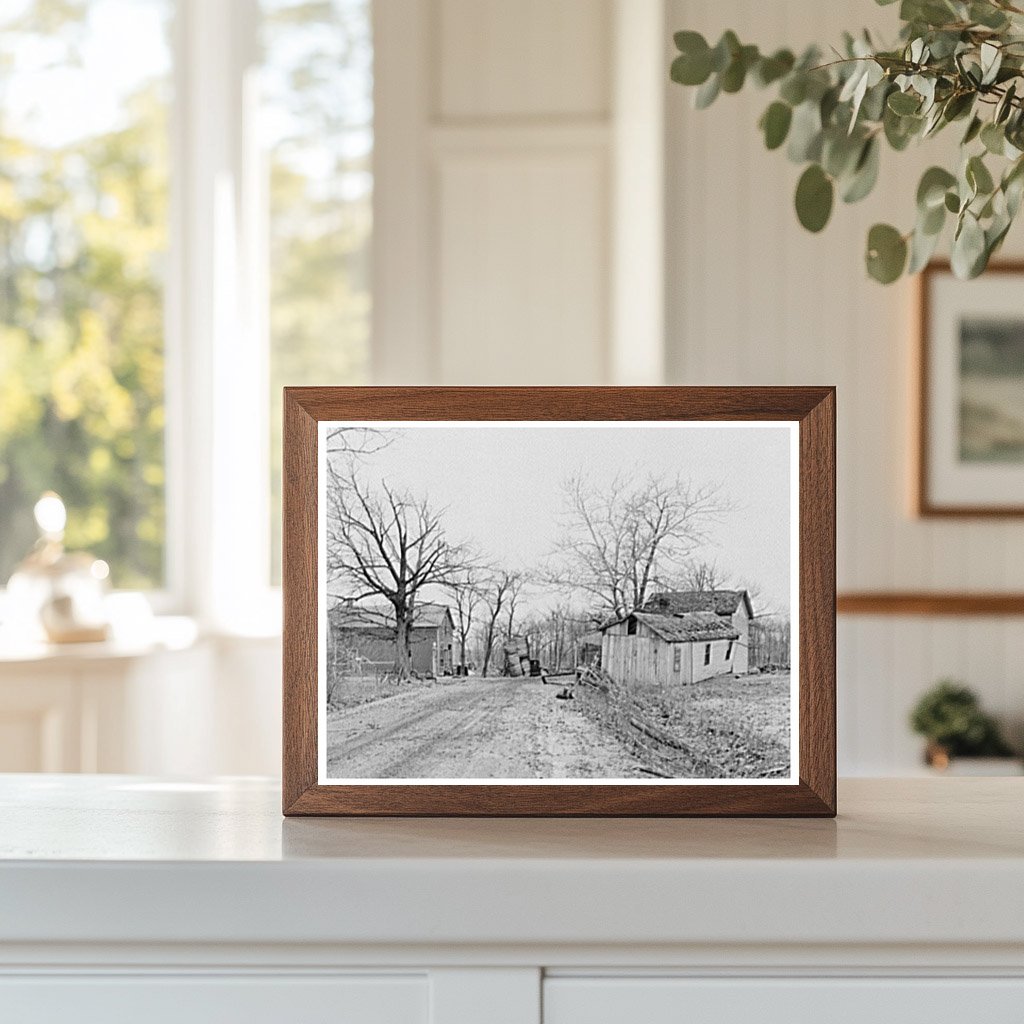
956,62
950,717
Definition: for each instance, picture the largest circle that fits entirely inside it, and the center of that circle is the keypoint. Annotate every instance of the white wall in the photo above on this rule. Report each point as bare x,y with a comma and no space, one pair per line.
754,299
520,213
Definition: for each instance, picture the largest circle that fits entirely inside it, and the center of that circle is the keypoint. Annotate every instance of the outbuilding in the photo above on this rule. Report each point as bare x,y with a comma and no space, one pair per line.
367,633
731,605
650,649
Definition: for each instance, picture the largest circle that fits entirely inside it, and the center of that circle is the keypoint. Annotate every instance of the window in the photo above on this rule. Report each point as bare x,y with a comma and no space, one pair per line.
83,239
631,626
707,654
317,120
214,176
677,658
728,651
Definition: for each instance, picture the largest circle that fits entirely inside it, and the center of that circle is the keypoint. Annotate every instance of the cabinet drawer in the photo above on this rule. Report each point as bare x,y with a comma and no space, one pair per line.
202,999
782,1001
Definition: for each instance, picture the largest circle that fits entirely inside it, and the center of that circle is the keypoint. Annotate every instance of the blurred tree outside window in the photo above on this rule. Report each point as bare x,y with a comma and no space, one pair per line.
83,237
317,121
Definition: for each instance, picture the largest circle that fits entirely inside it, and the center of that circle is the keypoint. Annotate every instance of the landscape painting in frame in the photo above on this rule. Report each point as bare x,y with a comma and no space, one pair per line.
972,393
559,602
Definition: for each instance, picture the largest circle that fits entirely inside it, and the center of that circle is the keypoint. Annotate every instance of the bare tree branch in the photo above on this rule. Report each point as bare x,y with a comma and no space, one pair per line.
623,538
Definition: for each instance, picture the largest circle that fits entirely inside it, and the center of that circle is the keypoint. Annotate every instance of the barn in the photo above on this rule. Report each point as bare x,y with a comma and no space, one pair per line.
367,634
648,648
732,605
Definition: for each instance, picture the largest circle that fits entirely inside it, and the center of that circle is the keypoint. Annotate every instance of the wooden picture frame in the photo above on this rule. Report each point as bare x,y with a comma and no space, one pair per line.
936,480
810,791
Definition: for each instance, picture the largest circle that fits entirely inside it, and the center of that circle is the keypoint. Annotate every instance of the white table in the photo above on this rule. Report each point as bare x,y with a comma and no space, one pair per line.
125,898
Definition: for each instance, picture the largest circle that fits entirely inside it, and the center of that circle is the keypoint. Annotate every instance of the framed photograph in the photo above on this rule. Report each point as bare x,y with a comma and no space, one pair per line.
970,451
559,601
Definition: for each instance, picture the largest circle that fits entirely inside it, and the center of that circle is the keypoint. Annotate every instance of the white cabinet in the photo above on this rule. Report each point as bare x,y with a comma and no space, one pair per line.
624,1000
216,1000
126,899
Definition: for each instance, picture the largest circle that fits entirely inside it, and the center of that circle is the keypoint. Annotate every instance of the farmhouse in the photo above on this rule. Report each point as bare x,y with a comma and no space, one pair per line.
731,605
648,648
366,633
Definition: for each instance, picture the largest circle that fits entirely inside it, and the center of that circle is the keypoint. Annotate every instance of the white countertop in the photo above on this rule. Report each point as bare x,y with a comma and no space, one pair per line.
121,859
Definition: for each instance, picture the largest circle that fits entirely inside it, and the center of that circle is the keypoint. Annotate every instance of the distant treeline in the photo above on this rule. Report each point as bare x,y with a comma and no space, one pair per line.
769,642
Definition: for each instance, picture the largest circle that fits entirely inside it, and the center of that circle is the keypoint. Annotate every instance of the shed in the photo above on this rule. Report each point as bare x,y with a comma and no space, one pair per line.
732,605
647,648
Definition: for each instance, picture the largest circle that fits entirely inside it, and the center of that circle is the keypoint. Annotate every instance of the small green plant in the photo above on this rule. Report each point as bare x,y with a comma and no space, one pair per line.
956,61
951,718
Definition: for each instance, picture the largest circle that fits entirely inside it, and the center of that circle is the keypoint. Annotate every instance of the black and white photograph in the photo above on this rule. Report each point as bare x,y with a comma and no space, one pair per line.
577,602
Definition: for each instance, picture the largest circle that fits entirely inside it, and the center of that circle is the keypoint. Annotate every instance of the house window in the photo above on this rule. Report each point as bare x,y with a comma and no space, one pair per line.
707,654
631,627
677,658
728,651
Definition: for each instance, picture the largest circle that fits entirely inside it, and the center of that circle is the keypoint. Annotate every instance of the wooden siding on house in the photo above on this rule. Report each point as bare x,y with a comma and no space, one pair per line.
645,658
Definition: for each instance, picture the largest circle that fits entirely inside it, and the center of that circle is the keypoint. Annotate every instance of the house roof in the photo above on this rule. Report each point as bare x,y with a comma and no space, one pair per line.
689,628
681,602
380,616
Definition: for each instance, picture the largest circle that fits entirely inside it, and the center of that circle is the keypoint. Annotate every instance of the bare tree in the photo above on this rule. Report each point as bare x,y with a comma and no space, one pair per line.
386,543
356,441
515,591
621,539
468,595
495,595
706,578
703,577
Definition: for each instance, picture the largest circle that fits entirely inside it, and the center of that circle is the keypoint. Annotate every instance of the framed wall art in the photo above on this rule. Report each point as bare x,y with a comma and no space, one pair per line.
559,601
970,444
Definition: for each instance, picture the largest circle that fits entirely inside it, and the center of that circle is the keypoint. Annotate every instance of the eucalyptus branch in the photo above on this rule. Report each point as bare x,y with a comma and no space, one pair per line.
956,61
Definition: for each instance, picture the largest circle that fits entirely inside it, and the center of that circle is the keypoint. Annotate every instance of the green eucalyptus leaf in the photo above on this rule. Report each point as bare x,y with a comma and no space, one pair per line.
840,152
993,138
952,202
991,60
903,103
931,191
1005,105
922,247
708,92
973,130
968,248
735,74
987,15
1013,187
771,69
886,253
978,176
958,105
932,220
805,133
775,124
814,196
794,88
691,70
725,50
873,107
865,173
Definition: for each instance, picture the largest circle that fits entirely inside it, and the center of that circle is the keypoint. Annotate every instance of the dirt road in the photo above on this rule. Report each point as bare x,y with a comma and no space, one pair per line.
472,729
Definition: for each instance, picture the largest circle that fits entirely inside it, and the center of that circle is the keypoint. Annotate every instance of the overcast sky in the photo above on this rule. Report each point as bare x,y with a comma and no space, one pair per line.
501,486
